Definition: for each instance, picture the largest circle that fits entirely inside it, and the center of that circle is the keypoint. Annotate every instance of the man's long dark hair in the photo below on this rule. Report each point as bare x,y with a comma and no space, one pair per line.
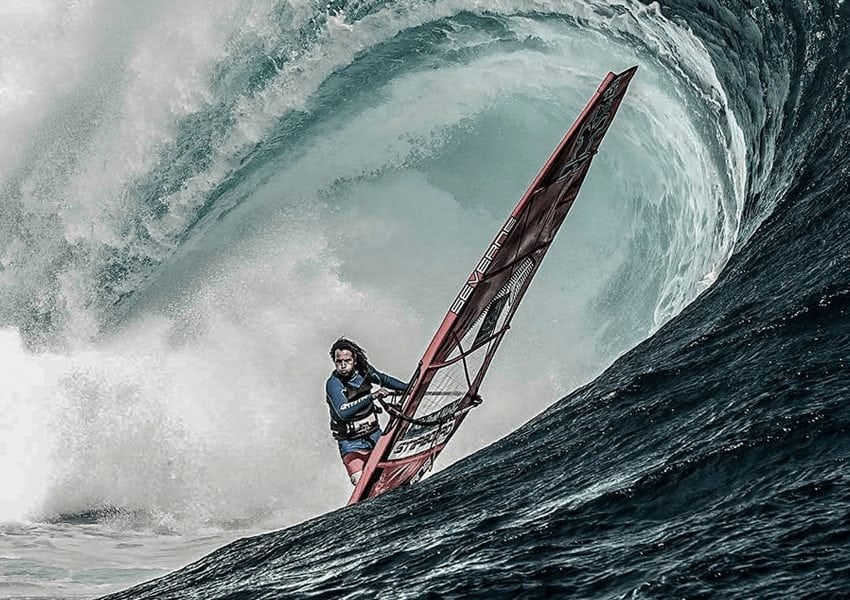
361,363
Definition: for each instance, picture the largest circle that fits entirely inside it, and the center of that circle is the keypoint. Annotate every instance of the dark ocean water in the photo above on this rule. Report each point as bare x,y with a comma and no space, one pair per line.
709,461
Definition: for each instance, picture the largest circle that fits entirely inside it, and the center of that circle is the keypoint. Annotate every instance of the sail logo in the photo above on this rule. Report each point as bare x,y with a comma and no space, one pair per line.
481,268
586,141
427,441
590,135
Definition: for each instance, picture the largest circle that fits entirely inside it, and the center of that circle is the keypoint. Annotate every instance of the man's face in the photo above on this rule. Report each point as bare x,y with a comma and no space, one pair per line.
344,362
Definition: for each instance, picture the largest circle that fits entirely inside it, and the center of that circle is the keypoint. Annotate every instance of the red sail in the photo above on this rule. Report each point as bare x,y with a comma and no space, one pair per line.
445,386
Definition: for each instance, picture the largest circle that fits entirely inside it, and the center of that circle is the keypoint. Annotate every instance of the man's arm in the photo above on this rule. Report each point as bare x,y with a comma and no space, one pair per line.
387,381
342,407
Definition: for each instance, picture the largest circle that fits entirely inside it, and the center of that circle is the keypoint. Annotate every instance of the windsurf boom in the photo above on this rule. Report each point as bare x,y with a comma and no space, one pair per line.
445,385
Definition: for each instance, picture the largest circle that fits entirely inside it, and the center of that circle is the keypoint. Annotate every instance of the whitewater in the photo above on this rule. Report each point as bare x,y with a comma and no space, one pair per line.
197,199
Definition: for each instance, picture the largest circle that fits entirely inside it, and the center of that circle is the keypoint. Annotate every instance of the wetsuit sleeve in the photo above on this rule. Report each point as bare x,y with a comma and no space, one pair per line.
341,407
387,381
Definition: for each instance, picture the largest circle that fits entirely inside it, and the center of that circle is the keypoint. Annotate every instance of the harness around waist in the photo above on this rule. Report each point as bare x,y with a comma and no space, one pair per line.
355,428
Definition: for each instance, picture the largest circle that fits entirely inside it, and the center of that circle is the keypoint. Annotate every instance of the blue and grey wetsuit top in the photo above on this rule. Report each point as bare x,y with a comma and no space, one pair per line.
352,413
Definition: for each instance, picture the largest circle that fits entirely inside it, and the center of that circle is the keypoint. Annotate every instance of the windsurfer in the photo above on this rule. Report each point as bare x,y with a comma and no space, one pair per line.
351,401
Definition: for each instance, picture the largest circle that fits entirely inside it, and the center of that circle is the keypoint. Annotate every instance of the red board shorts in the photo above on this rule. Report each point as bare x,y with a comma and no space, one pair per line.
355,461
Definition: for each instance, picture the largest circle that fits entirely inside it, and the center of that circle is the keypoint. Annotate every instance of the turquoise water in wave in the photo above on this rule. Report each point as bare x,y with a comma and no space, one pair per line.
195,200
